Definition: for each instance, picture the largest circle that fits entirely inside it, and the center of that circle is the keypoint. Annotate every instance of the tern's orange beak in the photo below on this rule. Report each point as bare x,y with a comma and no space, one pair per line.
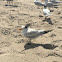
19,28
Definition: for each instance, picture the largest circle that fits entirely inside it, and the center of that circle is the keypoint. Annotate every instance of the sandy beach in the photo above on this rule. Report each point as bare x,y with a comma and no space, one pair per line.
45,48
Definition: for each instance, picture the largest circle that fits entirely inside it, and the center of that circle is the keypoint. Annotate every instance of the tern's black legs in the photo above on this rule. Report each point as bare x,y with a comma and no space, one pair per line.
29,43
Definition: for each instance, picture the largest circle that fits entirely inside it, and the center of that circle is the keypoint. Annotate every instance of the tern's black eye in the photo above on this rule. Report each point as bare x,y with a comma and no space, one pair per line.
25,26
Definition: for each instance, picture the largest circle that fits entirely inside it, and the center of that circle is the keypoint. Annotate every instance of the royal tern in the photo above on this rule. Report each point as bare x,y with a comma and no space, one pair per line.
32,33
46,11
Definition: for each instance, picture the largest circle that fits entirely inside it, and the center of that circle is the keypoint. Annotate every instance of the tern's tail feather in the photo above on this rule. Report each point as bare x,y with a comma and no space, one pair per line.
47,31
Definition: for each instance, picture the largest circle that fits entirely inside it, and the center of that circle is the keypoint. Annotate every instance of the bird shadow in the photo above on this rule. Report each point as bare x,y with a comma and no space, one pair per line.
11,5
48,20
45,46
15,6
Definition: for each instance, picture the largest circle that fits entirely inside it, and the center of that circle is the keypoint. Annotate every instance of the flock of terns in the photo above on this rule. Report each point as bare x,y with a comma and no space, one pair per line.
33,33
47,4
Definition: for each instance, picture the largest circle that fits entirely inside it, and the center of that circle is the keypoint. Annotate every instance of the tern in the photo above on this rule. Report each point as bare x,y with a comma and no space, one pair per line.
46,12
48,4
32,33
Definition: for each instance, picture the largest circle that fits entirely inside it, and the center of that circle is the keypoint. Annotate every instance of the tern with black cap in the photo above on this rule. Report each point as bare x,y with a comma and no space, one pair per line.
32,33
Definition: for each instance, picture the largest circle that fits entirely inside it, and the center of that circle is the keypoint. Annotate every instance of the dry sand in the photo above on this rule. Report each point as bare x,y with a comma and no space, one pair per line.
46,48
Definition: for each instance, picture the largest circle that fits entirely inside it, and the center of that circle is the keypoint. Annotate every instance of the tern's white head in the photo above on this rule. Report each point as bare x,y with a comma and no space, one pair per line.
24,27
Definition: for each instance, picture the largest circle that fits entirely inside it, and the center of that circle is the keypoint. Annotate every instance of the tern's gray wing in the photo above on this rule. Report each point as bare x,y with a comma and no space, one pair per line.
54,1
32,34
51,4
39,3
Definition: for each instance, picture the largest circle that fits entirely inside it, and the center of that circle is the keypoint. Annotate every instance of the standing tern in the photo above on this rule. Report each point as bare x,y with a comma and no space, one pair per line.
46,12
32,33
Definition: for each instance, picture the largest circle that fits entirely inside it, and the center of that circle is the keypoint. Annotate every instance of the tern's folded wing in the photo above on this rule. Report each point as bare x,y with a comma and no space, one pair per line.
31,33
